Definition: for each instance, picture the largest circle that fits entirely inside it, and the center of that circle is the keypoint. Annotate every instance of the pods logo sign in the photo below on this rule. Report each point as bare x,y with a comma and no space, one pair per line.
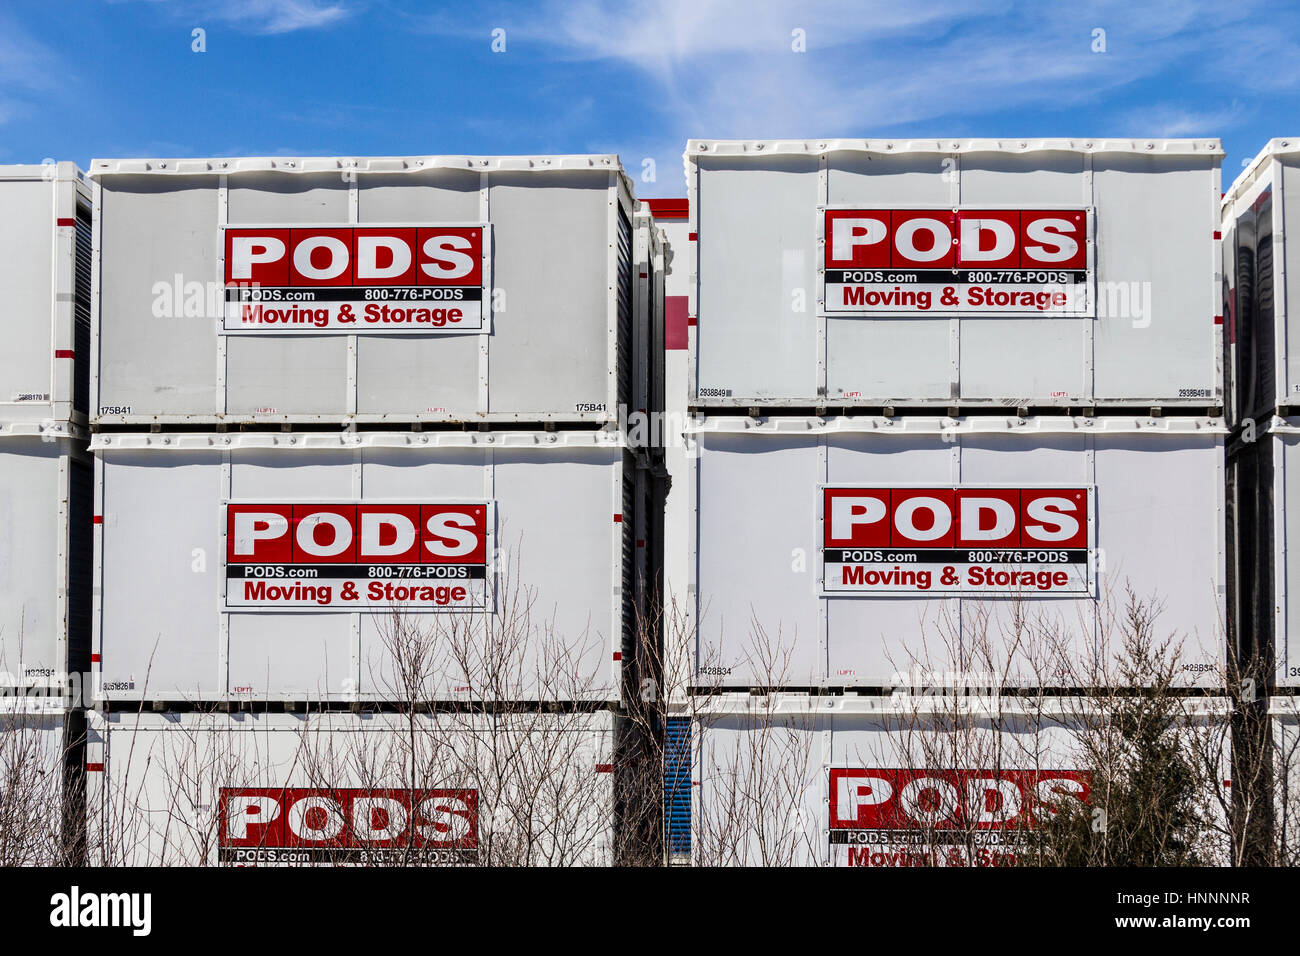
962,261
1027,541
302,825
419,556
343,279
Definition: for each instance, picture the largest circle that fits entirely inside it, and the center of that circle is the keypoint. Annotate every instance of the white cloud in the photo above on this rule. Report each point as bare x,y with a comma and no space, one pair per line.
1174,121
261,16
725,68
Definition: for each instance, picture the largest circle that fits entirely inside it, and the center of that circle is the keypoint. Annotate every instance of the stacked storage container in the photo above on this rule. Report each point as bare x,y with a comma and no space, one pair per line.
1263,384
45,499
359,458
952,401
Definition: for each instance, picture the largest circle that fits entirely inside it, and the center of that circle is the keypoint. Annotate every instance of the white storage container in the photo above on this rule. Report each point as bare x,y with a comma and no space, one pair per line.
850,552
45,253
356,266
1261,308
46,501
192,789
1080,273
261,566
884,782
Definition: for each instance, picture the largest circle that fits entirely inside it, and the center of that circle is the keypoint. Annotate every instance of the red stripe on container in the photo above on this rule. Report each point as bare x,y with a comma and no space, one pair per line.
692,237
1217,234
99,519
95,767
66,222
618,655
1218,320
64,353
618,519
675,335
94,658
669,208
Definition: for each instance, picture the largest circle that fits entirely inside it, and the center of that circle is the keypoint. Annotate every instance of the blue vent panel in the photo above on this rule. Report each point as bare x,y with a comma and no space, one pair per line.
677,786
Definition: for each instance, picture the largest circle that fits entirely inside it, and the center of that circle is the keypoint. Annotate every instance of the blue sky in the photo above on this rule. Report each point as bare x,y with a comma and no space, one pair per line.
118,78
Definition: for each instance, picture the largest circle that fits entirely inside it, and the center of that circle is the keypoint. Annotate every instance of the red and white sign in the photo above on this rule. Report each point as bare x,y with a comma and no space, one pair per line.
423,556
297,825
1028,541
402,279
896,817
964,261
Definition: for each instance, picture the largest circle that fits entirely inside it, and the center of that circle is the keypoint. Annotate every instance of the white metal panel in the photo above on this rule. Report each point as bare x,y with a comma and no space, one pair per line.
37,274
545,794
147,366
757,251
35,557
1153,341
553,302
1158,526
161,564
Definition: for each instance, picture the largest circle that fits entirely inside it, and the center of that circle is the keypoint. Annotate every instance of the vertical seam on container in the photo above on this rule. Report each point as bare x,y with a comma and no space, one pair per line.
959,603
692,260
619,531
1090,469
358,492
1217,307
221,398
823,354
492,582
56,306
1280,318
823,617
612,294
485,337
1281,555
352,402
954,321
97,579
223,627
64,542
96,225
1089,320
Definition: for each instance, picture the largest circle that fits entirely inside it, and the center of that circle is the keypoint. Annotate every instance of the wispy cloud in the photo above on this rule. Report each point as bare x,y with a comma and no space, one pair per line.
259,16
1174,121
729,68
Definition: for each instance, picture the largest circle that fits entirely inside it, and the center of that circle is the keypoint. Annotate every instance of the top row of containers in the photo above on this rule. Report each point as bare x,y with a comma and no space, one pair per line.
380,290
846,273
1053,273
